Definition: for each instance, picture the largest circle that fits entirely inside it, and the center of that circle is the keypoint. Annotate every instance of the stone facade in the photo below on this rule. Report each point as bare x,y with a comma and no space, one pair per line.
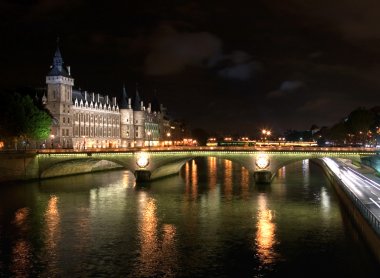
83,120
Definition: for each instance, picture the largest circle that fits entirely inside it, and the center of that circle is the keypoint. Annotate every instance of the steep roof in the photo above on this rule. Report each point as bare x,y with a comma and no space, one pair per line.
124,99
57,68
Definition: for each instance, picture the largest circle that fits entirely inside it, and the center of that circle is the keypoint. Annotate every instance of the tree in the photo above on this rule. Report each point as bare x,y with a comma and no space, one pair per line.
360,120
338,132
21,119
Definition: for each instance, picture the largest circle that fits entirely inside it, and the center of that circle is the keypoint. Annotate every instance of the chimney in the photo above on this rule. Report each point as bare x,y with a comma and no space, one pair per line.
93,97
98,97
107,99
149,107
142,105
85,95
129,103
114,101
69,70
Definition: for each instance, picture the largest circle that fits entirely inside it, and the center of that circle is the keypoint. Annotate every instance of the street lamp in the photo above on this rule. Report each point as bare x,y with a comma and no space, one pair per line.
52,140
84,142
266,133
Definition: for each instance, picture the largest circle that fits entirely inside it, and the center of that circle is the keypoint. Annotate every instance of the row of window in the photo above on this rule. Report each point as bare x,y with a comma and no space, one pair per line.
95,118
96,132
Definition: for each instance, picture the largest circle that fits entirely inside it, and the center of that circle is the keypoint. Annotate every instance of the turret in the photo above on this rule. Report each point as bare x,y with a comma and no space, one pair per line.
59,101
126,120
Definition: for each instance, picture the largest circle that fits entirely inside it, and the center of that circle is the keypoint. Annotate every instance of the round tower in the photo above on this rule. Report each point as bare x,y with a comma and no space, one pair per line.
126,121
58,102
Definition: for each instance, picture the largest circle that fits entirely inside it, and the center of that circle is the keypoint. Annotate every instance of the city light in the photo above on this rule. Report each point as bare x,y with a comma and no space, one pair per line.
262,161
142,160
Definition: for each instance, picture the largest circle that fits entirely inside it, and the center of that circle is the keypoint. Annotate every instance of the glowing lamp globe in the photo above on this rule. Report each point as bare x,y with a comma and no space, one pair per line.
142,160
262,161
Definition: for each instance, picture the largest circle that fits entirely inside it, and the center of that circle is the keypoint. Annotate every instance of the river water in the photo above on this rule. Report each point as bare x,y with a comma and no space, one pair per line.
211,220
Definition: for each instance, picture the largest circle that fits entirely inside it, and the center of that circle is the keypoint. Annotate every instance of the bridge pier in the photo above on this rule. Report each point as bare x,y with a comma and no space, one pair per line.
142,175
263,176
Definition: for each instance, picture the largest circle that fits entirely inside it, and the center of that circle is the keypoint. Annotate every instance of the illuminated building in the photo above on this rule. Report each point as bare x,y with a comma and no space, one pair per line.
84,120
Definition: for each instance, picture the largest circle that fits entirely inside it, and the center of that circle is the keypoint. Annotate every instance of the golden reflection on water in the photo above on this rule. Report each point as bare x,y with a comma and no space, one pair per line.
52,232
191,179
212,172
244,183
149,255
128,180
194,179
228,179
169,251
266,232
282,172
21,251
155,254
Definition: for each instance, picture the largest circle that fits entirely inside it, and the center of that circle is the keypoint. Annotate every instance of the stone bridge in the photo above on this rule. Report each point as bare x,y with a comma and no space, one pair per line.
152,163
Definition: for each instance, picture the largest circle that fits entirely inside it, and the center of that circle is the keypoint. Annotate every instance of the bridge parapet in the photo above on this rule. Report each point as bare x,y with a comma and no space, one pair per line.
262,163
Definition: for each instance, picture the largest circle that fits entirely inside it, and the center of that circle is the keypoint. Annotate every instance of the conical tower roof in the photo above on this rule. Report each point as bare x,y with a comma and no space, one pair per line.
57,68
137,101
124,99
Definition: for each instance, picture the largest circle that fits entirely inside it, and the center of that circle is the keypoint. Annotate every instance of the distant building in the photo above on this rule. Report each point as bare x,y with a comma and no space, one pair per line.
84,120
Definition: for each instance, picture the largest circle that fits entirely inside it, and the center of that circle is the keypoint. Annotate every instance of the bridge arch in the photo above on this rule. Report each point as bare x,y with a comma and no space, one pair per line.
263,164
78,166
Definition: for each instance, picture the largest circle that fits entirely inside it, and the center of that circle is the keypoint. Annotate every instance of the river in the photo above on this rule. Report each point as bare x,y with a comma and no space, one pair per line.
210,220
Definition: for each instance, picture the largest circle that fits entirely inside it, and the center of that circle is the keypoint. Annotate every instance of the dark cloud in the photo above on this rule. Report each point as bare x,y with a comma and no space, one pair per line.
242,71
273,63
172,51
286,87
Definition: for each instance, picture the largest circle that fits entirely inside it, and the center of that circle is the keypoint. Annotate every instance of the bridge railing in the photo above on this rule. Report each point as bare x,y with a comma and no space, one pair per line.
200,148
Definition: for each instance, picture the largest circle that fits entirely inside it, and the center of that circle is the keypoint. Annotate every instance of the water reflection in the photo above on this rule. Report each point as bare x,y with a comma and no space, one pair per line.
156,255
52,234
282,173
99,225
265,240
244,183
149,253
21,250
212,172
306,172
228,179
191,179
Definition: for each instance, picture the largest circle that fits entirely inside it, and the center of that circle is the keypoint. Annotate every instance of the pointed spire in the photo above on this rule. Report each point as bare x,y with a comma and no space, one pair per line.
124,99
57,60
137,102
57,67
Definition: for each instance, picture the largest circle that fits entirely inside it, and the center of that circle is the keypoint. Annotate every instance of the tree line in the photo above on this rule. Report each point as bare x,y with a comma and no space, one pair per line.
360,127
22,120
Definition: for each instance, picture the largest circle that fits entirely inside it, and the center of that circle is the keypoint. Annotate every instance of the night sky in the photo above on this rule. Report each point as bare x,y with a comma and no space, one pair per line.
225,66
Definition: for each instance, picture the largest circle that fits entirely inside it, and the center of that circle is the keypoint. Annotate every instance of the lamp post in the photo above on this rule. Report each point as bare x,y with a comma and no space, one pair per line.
52,140
266,133
84,142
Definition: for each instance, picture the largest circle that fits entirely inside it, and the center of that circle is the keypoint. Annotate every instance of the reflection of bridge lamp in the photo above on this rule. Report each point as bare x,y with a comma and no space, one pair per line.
262,161
142,160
